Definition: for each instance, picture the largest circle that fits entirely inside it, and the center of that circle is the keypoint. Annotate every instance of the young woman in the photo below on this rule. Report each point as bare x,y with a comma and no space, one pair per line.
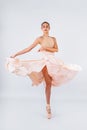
51,71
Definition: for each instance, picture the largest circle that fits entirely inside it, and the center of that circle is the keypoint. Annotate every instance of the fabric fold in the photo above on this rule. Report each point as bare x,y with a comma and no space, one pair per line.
59,71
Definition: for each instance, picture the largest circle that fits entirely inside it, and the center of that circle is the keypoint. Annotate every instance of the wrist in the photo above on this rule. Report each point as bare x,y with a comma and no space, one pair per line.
16,55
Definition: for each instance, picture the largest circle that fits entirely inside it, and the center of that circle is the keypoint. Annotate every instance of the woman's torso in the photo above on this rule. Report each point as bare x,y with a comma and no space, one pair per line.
46,41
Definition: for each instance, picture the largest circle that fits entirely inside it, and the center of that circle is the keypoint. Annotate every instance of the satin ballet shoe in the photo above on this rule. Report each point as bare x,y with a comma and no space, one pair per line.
48,109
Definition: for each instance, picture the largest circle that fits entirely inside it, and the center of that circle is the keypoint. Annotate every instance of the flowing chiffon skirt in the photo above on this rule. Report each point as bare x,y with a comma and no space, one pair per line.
60,72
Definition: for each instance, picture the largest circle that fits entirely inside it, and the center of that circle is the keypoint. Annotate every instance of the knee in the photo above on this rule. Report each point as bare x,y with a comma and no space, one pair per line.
48,85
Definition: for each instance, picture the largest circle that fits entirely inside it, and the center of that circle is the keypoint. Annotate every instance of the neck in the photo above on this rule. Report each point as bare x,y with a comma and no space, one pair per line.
46,34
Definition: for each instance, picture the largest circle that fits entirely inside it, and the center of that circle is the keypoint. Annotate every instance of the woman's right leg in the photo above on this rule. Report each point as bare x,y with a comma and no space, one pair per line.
48,81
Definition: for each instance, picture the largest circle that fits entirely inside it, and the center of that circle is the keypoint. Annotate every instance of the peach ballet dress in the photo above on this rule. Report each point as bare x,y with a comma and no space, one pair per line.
60,72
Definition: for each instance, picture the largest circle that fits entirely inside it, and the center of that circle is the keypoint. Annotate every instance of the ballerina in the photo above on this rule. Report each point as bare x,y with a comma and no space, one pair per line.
48,69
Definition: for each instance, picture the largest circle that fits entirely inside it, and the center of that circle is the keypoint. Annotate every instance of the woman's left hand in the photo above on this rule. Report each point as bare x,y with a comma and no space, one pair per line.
41,49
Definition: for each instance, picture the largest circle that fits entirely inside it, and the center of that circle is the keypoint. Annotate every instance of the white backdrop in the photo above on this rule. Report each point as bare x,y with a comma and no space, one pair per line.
21,105
20,25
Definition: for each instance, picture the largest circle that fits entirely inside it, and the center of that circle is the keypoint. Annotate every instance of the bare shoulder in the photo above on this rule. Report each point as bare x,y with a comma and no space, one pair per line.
54,38
39,39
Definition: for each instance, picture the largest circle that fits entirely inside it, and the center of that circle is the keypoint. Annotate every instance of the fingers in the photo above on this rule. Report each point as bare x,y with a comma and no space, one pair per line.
41,49
13,56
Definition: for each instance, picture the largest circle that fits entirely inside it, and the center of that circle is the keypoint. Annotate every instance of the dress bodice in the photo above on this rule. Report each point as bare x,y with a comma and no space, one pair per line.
47,42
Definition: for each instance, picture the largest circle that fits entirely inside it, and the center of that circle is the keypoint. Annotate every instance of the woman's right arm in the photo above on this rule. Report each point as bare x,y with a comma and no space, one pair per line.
26,49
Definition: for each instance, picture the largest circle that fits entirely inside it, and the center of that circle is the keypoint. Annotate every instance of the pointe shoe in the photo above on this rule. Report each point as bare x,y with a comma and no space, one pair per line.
48,109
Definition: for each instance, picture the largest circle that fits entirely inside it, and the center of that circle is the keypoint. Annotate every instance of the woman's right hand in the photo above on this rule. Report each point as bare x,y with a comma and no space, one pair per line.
13,56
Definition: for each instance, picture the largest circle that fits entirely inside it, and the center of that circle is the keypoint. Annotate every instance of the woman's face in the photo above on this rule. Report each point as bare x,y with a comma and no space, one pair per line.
45,28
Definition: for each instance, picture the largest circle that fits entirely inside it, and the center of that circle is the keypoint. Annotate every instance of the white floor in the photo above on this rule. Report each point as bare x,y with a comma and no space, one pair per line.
29,114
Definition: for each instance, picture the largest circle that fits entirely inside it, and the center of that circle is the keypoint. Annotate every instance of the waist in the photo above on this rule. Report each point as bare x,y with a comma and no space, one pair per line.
47,52
47,55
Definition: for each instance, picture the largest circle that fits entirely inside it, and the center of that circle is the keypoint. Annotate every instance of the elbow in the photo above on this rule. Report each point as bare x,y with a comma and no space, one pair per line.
57,50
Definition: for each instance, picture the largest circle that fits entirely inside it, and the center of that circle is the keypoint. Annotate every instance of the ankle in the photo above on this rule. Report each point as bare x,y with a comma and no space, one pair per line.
48,109
48,105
